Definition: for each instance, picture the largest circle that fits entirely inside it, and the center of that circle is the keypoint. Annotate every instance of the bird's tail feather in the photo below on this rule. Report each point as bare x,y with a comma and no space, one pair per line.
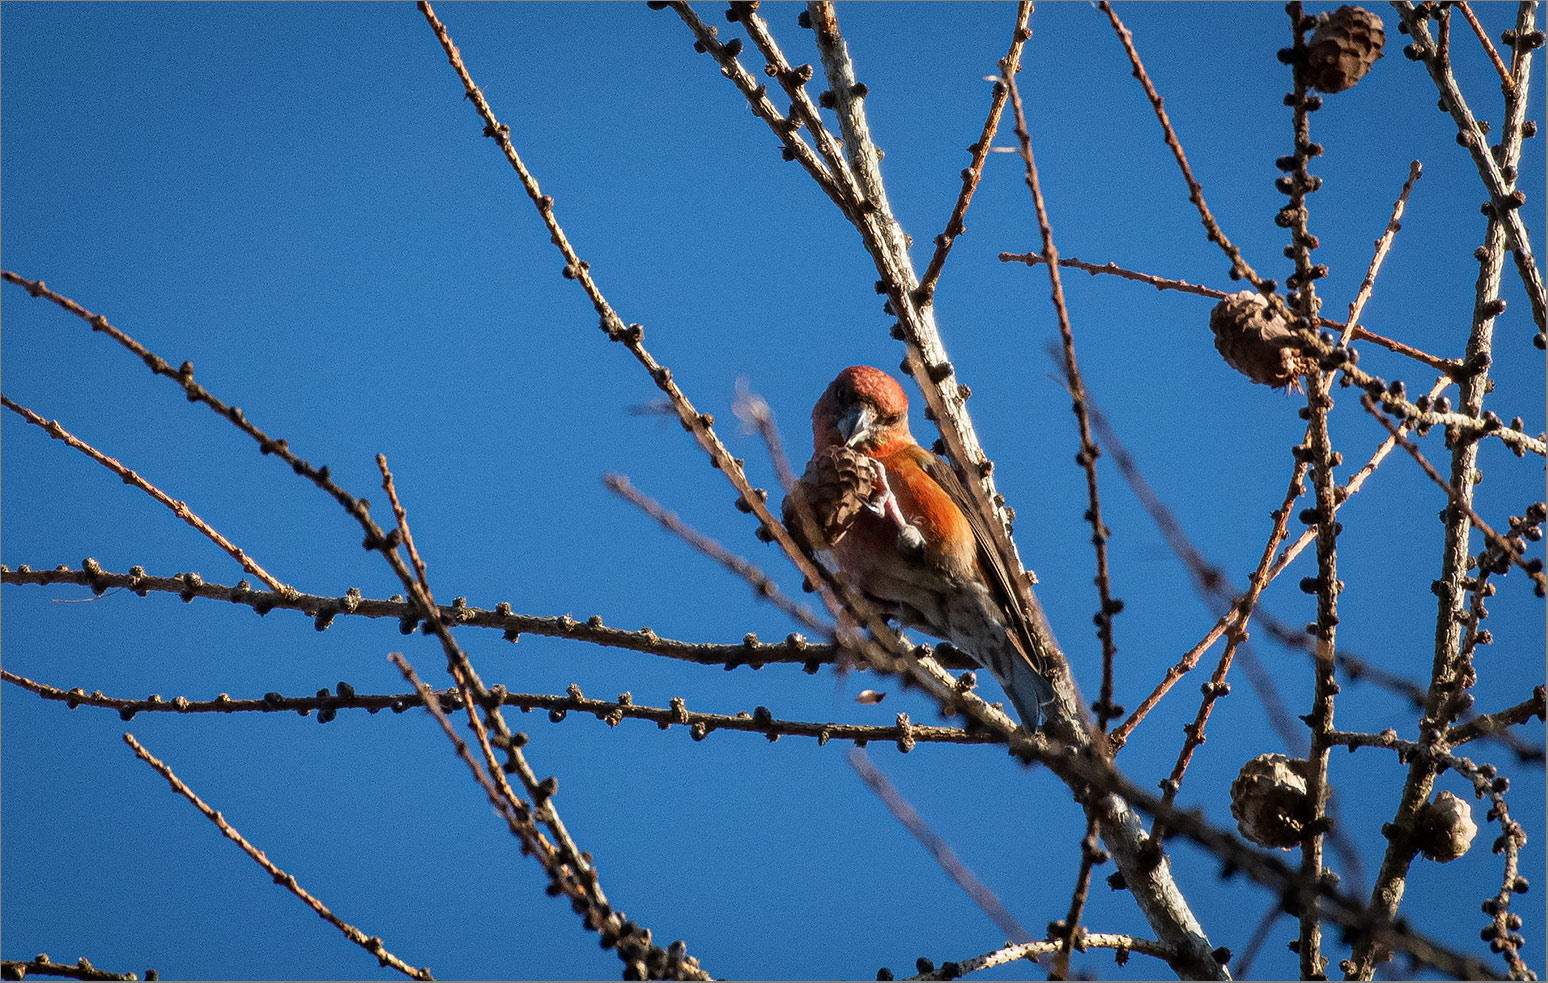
974,626
1029,691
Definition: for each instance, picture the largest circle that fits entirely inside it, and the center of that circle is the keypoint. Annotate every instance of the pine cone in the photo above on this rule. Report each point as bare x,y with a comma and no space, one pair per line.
1269,800
837,484
1257,342
1446,828
1346,43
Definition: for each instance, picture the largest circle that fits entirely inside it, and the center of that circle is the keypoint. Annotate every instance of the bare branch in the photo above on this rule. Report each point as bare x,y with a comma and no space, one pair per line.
130,477
1498,177
1383,244
1358,332
1008,66
371,944
1240,268
1533,567
1123,944
1488,723
940,851
41,965
325,610
612,712
1506,82
1108,606
761,584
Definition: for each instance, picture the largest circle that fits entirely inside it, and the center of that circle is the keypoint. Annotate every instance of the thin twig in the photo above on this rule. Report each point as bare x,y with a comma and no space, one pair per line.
1124,944
42,965
793,649
131,477
1533,567
1328,586
1233,622
401,517
1240,269
904,734
1070,932
1505,200
754,411
1008,66
371,944
1358,332
940,851
1443,35
1242,609
1383,244
517,814
183,375
570,870
1489,723
1108,606
760,582
1255,942
1318,453
1506,82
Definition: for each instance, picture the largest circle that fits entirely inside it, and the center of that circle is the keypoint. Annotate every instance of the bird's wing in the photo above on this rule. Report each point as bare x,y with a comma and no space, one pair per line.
1026,623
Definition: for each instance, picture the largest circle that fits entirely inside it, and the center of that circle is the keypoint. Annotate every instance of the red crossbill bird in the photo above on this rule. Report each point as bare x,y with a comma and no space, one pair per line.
901,529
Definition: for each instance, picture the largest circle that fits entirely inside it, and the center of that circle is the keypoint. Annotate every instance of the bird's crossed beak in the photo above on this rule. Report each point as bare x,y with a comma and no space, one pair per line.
856,424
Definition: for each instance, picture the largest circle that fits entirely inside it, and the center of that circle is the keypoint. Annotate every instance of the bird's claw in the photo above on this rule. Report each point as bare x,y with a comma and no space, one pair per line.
883,502
911,543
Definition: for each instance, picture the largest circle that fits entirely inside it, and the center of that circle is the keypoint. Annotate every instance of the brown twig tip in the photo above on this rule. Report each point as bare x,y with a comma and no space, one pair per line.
371,944
1383,244
1506,82
1533,567
130,477
1240,269
762,586
973,173
900,808
42,965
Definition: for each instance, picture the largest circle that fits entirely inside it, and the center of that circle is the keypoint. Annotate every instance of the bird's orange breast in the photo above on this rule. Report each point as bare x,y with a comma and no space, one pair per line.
928,507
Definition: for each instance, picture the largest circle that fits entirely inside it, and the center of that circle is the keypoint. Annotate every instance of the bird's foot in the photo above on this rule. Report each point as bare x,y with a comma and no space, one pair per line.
883,502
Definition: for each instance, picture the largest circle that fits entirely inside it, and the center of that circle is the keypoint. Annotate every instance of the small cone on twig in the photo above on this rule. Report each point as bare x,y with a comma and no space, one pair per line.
837,484
1346,43
1256,341
1269,801
1446,828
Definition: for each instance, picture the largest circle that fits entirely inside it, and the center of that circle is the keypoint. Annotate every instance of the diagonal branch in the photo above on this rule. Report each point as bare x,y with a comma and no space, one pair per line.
940,851
1240,268
1383,244
130,477
973,173
1498,177
1086,457
1533,567
371,944
761,584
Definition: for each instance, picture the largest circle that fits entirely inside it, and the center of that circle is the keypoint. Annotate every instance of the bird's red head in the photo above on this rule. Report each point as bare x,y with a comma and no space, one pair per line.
863,409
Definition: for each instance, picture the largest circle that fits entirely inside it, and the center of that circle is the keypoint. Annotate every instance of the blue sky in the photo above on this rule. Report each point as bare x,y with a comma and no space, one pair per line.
298,200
